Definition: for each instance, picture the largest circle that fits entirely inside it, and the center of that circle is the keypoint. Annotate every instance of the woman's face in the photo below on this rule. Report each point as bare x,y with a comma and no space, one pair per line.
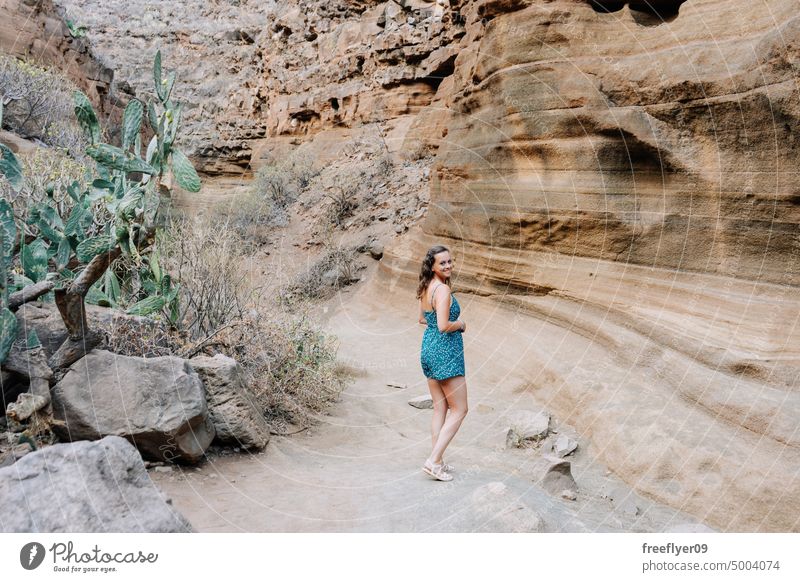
442,264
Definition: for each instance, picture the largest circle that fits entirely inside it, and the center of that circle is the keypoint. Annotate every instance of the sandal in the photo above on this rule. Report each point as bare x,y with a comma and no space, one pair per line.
437,472
447,468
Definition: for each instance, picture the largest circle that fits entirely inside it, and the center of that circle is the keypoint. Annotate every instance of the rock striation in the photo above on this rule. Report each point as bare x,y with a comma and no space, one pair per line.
629,179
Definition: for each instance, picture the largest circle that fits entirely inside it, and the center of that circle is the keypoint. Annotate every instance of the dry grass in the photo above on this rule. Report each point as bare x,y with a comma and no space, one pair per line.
205,259
140,337
290,363
336,268
276,187
38,105
343,203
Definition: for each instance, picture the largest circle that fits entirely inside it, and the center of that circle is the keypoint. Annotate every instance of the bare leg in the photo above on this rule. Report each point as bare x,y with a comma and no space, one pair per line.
439,409
455,390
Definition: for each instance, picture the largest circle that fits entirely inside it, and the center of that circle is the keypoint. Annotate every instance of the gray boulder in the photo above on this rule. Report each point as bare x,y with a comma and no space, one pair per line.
232,406
158,404
99,486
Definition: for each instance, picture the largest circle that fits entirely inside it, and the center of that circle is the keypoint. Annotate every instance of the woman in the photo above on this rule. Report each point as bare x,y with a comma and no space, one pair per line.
442,356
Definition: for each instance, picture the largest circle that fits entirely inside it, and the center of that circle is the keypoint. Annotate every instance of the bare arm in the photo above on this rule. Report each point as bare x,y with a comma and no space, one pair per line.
443,312
422,319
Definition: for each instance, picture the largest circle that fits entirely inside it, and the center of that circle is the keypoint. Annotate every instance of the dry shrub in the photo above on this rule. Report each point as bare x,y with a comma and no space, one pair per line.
336,268
38,105
290,364
302,168
252,217
289,361
419,150
343,203
276,187
205,259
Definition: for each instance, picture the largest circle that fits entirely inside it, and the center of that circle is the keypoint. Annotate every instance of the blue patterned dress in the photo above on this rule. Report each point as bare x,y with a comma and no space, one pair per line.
442,354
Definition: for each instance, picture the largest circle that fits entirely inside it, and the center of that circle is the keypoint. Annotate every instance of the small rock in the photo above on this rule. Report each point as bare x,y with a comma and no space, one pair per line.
569,494
164,469
10,457
553,474
421,402
376,250
25,405
564,446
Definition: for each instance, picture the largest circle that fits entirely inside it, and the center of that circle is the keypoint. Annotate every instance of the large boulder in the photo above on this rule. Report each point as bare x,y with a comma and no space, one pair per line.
85,486
158,404
232,406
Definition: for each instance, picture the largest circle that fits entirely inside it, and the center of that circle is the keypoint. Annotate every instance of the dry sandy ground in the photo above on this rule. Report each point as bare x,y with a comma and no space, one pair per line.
359,470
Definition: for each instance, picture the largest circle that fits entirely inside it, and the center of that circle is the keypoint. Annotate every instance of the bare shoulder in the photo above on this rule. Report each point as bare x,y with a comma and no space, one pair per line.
440,293
442,289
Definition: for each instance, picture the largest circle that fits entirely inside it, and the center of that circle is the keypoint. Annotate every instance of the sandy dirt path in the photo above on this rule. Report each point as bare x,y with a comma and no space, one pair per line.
359,470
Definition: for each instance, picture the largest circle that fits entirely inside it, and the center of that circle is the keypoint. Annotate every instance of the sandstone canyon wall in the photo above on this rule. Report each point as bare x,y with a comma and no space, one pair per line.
636,184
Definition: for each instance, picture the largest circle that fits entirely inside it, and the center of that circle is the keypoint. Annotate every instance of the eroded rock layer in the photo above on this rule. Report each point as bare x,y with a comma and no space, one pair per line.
633,181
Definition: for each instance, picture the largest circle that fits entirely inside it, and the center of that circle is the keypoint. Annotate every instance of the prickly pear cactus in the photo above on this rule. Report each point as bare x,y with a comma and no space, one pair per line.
8,235
117,213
